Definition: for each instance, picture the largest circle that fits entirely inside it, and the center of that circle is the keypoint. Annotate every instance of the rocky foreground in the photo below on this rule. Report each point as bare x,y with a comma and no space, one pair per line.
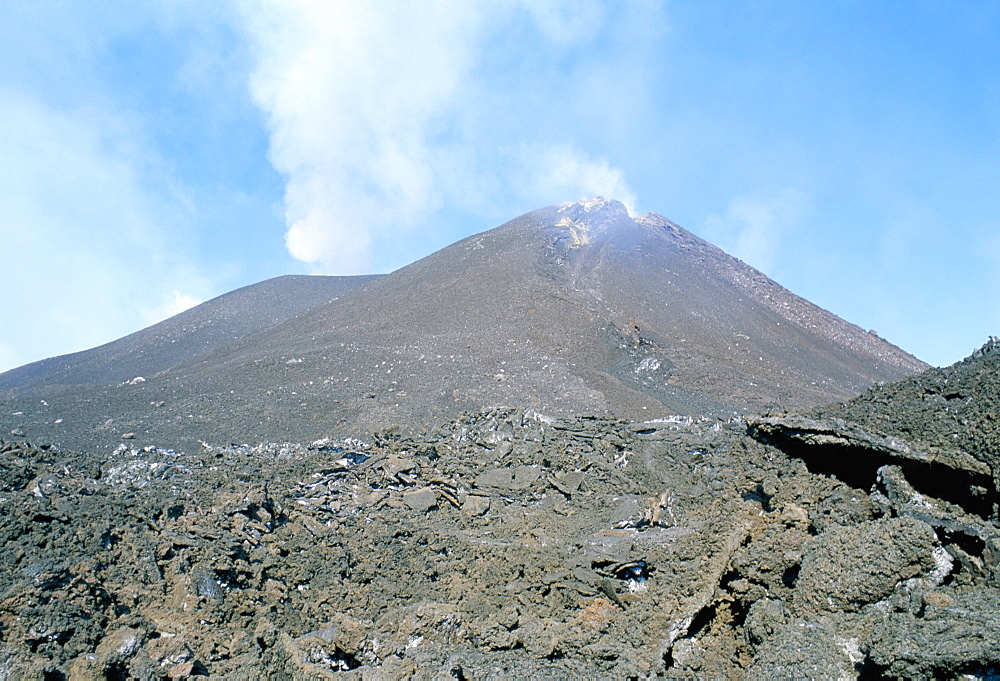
859,540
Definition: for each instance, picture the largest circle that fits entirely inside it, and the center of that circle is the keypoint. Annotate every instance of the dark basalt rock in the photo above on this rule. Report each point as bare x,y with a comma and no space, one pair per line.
546,546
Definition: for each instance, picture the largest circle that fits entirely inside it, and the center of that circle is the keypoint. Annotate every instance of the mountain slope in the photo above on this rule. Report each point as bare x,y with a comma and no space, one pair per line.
158,347
570,309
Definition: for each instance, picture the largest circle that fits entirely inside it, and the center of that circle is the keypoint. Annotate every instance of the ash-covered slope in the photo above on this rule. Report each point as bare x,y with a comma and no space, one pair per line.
183,336
570,309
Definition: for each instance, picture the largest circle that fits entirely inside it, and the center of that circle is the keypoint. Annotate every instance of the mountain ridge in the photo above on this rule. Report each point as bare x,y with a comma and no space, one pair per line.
571,309
156,348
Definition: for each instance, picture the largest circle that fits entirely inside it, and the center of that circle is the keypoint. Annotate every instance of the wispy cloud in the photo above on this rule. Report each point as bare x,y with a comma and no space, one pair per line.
379,116
173,304
87,241
564,23
753,229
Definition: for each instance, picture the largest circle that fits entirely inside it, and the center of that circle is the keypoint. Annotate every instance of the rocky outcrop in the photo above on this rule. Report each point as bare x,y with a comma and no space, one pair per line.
506,542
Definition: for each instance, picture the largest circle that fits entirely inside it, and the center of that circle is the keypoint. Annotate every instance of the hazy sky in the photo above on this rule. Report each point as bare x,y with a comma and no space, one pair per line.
156,154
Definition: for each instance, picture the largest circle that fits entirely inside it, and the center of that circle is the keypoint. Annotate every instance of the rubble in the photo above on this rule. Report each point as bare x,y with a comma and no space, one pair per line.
508,543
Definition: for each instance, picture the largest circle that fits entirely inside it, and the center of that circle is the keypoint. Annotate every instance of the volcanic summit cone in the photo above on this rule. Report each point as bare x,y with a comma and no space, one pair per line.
571,309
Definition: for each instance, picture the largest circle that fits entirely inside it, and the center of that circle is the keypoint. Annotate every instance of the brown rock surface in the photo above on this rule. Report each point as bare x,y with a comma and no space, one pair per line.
568,310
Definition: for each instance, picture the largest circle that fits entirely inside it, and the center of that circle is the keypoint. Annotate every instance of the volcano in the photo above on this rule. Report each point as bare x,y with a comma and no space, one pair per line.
537,453
568,310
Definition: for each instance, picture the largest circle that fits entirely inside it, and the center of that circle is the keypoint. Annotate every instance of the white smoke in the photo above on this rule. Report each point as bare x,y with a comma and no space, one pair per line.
572,174
378,117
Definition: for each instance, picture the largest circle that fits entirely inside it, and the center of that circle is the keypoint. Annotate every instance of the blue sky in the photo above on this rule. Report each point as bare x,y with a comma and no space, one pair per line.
154,155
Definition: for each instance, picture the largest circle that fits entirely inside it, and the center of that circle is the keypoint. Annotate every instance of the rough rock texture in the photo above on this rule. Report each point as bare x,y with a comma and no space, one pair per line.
846,568
943,633
855,540
950,414
505,543
802,651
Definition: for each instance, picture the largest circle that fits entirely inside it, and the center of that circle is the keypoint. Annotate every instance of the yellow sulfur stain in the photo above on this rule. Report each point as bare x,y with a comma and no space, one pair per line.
579,232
